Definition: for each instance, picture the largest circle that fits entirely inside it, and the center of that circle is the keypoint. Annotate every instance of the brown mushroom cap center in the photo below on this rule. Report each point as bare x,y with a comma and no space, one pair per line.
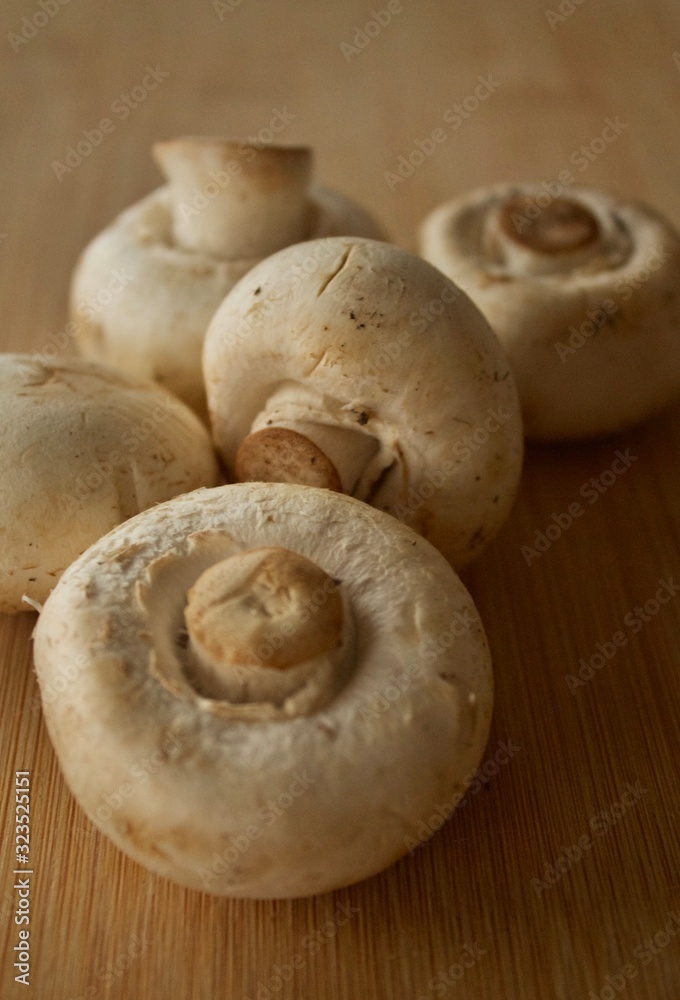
562,226
267,607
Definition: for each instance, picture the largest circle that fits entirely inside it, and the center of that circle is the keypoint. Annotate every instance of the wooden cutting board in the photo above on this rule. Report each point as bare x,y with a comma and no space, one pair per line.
590,780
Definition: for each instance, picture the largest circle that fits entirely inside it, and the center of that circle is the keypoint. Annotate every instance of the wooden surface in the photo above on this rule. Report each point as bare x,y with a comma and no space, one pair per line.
103,927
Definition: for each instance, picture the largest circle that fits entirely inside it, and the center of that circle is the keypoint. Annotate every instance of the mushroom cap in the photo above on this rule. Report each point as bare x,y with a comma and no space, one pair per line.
261,800
83,448
154,326
592,338
380,343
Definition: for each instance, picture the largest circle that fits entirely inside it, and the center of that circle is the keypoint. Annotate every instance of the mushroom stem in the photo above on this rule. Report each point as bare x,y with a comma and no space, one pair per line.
535,240
233,199
255,617
308,453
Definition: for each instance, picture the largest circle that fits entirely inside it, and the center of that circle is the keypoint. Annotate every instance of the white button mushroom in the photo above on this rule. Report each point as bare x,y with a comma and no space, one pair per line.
177,252
276,687
583,291
354,365
83,448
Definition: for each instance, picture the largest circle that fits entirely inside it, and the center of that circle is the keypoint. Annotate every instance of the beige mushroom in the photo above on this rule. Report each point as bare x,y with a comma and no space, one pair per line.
583,290
146,288
83,448
353,365
274,687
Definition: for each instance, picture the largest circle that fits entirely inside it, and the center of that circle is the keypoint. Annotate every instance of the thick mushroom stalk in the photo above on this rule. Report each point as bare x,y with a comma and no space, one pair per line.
334,458
563,236
236,200
295,440
226,204
259,624
522,240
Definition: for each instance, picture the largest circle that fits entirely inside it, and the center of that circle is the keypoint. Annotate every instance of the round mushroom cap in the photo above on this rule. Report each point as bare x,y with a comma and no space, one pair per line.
142,301
395,368
348,690
83,448
583,290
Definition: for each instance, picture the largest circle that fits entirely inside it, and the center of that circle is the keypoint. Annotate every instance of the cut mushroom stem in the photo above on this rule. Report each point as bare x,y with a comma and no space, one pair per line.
539,240
309,453
259,619
234,199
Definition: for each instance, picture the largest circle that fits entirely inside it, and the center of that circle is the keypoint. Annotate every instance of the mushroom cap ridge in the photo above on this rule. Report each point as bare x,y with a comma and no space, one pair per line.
209,793
390,347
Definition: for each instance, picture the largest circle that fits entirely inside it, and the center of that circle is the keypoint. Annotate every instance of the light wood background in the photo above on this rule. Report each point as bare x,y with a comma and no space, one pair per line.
470,890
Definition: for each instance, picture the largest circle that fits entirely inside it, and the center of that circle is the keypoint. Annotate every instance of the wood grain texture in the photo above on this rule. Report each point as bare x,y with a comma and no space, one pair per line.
469,891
